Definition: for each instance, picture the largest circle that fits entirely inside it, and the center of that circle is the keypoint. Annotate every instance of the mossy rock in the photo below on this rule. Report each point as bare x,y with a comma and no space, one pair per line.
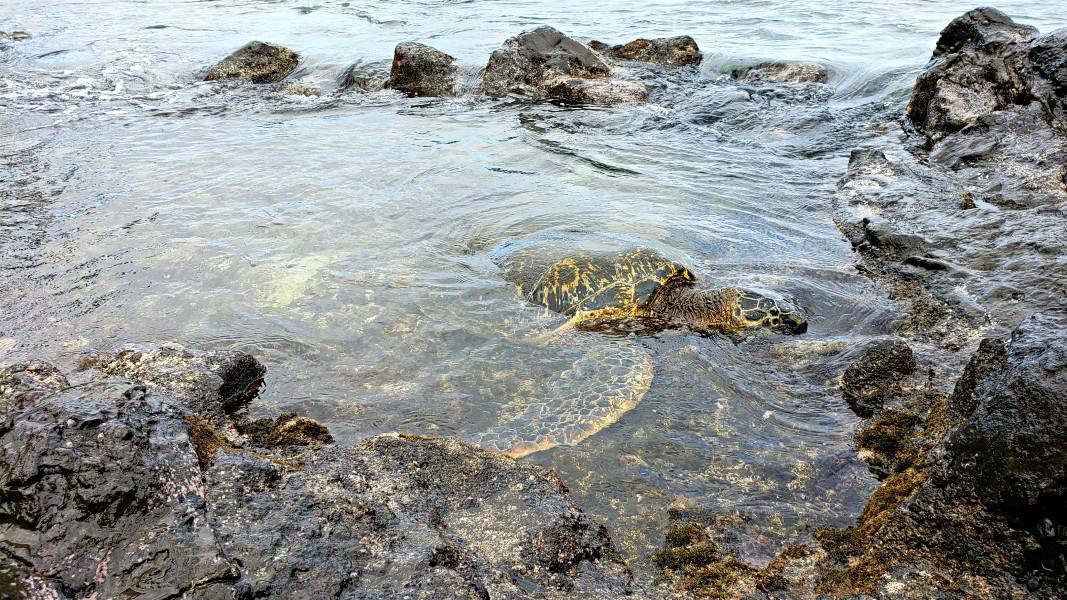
289,429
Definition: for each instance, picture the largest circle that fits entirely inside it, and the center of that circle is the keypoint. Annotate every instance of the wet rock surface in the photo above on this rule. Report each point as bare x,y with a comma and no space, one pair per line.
22,384
994,97
419,70
673,51
597,91
258,62
1014,441
366,76
968,507
782,72
116,486
546,64
877,376
964,410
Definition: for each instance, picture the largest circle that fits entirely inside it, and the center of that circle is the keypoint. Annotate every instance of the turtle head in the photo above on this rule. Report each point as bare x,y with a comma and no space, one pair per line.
752,309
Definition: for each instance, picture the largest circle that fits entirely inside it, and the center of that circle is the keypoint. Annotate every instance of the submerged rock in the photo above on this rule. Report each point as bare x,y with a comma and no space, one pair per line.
782,72
544,63
369,77
14,36
673,51
597,91
877,376
297,89
419,70
971,504
257,61
143,482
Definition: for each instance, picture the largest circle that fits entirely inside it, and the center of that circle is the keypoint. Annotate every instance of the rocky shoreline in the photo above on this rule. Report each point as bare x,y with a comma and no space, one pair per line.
141,474
966,410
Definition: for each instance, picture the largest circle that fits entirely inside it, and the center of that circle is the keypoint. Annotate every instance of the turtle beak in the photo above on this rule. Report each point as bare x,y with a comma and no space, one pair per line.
793,320
794,324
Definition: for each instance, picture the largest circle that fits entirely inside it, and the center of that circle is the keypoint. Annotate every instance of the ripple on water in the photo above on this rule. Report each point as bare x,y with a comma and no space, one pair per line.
347,239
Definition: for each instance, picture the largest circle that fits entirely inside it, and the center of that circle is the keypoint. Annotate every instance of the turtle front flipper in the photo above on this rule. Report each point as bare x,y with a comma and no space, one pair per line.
605,383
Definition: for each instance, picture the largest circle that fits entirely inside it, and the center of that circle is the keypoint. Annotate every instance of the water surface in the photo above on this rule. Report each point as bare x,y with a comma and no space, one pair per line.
346,239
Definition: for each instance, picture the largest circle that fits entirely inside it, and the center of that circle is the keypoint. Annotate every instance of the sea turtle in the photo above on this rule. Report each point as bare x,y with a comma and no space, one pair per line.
637,289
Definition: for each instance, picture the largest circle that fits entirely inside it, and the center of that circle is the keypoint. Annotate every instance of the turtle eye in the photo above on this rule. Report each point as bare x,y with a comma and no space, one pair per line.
737,311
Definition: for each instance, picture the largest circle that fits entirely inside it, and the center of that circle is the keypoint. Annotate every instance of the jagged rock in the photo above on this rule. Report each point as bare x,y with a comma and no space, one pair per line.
102,495
782,72
1047,57
545,64
673,51
257,61
993,105
394,516
1014,444
419,70
985,62
876,376
118,488
531,59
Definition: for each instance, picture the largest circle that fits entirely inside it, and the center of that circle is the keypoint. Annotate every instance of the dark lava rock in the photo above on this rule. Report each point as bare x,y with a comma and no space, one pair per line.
1047,57
420,70
397,516
876,376
1014,445
102,495
884,236
673,51
119,488
974,507
782,72
544,63
985,62
257,61
599,46
981,30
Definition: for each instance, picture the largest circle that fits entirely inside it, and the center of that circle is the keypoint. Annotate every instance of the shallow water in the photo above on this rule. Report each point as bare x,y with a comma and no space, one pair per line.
346,240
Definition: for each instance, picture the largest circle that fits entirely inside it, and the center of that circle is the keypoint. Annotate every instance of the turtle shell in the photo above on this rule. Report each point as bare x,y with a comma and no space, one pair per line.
622,282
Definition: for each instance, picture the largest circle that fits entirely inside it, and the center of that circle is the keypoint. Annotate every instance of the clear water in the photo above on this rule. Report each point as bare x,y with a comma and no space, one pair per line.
345,239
